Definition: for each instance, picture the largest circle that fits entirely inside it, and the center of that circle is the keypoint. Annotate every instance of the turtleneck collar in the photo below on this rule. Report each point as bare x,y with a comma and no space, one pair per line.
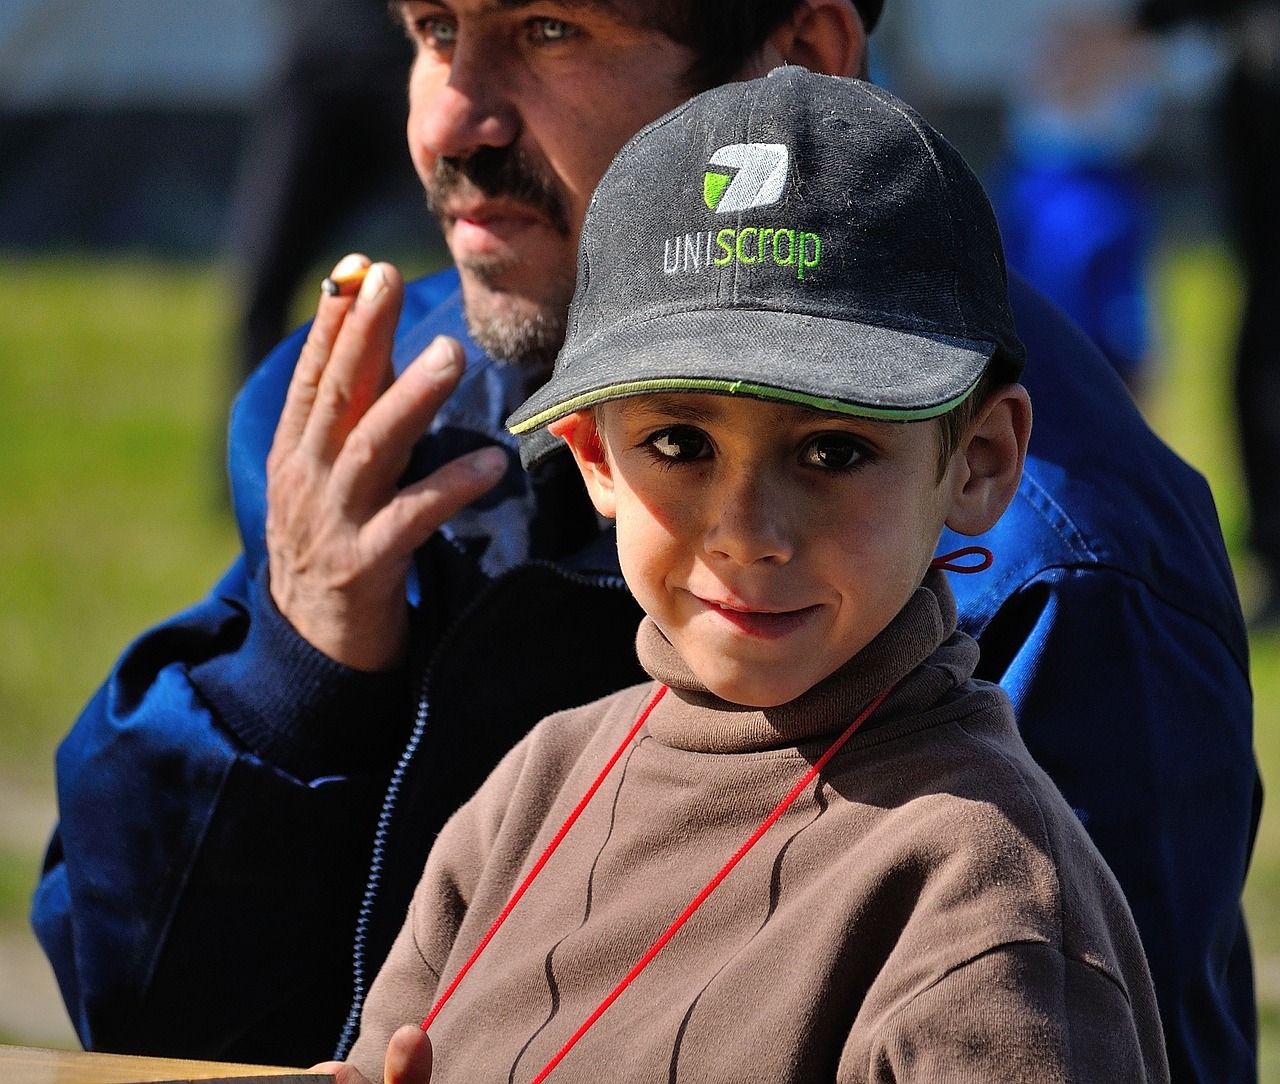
921,638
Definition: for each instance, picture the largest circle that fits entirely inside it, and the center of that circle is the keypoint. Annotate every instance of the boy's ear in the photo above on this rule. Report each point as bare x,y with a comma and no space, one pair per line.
987,467
581,433
825,36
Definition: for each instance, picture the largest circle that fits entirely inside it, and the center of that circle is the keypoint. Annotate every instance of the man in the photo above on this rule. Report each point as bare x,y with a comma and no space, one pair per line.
258,782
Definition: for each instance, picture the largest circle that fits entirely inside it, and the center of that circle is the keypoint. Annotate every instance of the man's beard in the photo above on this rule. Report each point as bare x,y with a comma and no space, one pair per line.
511,328
505,325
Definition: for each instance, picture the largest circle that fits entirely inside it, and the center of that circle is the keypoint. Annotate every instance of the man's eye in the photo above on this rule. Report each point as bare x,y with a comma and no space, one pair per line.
680,444
434,31
831,451
551,29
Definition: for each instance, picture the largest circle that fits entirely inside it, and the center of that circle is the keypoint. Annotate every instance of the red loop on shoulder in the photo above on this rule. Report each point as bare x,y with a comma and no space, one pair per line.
948,562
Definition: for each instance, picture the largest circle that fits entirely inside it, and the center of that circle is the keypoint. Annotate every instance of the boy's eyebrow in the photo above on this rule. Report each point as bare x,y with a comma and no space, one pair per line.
680,406
672,404
607,5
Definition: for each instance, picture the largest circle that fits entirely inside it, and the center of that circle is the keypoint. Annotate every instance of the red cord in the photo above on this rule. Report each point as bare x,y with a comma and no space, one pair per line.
694,904
947,561
546,855
712,885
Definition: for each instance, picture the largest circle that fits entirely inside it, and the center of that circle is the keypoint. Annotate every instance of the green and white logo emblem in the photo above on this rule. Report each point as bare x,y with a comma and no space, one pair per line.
760,178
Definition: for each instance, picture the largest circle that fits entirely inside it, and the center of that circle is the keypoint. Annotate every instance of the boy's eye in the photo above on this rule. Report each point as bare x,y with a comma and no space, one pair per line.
680,444
832,451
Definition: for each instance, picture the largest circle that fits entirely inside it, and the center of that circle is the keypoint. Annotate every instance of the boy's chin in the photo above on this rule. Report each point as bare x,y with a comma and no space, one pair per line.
754,691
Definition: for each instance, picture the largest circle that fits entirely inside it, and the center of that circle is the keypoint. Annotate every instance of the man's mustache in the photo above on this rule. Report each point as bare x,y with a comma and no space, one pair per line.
506,172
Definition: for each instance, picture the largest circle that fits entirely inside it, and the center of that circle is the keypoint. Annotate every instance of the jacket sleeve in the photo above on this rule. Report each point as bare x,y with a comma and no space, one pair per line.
217,798
1142,716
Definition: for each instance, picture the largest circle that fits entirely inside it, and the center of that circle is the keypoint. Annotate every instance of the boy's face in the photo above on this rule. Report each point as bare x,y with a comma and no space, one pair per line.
770,543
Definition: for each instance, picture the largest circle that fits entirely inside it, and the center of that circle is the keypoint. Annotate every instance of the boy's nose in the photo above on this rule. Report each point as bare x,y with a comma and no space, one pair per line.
751,523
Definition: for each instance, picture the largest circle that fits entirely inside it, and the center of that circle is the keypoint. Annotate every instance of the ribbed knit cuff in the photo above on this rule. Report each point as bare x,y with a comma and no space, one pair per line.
297,708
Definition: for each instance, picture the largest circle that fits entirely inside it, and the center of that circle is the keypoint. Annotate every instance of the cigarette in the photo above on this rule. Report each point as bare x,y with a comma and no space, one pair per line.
345,284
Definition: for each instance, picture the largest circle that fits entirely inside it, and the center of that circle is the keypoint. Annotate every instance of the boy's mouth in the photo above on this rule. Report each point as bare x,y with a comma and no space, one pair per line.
763,624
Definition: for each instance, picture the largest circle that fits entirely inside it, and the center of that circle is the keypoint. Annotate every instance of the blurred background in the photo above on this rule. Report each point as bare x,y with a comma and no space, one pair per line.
175,179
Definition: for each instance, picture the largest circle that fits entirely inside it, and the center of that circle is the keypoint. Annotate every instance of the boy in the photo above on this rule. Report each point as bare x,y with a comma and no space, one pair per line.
813,848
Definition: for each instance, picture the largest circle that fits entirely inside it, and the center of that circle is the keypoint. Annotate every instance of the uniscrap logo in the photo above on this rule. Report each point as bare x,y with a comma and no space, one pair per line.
762,173
759,176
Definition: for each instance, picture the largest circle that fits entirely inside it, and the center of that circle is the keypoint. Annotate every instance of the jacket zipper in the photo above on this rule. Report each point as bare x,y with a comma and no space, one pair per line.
373,883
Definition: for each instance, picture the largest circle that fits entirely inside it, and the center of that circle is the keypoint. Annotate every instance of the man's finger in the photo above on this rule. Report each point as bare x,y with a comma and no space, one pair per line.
419,510
330,314
378,449
408,1057
359,366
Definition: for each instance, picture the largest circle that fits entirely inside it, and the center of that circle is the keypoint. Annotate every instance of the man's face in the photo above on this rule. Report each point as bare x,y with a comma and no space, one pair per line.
515,109
770,543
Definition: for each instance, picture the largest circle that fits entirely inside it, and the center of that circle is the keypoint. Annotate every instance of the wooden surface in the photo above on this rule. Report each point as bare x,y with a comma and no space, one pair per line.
23,1065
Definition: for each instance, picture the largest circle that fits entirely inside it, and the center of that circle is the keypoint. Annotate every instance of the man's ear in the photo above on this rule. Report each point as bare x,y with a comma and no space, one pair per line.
986,468
825,36
581,433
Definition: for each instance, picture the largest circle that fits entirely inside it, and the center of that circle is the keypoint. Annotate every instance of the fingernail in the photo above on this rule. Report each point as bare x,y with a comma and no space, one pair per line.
489,462
442,355
374,285
349,265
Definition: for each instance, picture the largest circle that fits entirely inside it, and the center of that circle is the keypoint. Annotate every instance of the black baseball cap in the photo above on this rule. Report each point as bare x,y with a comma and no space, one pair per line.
801,238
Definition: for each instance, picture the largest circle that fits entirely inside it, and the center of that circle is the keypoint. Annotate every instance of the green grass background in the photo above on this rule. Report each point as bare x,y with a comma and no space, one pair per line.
113,392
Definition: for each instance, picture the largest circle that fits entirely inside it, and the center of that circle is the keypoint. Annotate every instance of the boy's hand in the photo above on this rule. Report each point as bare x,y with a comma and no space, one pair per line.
408,1061
340,536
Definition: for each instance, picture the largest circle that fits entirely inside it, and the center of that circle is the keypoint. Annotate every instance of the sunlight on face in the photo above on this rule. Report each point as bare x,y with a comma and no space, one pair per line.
770,543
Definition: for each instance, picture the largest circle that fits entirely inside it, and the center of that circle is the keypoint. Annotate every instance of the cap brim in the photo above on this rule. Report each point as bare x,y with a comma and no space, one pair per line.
811,361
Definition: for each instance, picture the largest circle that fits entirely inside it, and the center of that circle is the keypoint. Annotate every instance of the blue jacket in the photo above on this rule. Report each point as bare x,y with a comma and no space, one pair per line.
243,820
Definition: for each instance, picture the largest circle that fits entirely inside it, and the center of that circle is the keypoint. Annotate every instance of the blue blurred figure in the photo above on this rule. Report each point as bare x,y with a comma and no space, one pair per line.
1249,127
1075,211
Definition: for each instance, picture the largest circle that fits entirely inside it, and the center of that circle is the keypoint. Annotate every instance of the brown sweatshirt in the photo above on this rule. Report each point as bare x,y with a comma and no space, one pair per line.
929,910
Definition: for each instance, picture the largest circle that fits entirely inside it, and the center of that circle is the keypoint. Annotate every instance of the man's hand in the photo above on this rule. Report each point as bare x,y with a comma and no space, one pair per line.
408,1061
340,536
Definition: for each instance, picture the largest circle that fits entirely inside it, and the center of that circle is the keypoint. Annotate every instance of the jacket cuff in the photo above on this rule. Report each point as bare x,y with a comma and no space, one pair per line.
298,709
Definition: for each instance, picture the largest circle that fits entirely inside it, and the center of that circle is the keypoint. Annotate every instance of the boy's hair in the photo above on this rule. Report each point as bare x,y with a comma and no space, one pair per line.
953,424
800,238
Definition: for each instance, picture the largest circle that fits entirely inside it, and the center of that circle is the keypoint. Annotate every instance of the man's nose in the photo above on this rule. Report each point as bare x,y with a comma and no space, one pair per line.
472,108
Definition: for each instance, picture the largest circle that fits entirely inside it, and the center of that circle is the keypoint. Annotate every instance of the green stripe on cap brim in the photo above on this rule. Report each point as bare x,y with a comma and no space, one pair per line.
837,365
733,387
